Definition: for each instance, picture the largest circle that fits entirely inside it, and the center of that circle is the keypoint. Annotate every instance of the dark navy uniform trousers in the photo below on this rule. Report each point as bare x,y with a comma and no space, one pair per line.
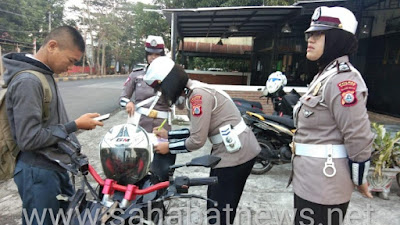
38,189
227,192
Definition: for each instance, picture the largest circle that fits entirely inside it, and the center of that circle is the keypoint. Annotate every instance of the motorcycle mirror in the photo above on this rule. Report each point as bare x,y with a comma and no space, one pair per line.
124,101
206,161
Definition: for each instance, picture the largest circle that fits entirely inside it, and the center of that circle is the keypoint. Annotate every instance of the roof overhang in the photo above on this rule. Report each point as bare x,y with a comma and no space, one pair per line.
216,21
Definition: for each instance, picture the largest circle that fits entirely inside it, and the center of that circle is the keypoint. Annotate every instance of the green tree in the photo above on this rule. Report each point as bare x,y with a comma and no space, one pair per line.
24,20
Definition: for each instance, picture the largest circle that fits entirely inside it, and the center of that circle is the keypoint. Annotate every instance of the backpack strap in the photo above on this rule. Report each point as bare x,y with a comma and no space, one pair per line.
47,94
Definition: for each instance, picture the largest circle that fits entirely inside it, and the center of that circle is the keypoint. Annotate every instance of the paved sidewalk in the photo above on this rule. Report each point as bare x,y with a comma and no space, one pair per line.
265,199
86,76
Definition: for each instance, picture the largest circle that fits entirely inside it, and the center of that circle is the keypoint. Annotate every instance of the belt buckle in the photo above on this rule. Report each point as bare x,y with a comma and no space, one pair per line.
329,163
153,113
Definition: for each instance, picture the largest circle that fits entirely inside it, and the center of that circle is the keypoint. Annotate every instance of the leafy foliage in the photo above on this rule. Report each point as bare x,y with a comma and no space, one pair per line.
24,20
219,3
386,152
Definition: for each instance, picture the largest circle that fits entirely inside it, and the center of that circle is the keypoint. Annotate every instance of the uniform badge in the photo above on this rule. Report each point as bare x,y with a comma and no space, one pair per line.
317,14
316,89
307,113
196,102
343,67
127,81
153,43
348,92
196,110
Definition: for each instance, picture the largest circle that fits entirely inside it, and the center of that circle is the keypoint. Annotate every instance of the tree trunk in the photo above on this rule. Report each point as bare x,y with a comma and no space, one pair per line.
98,60
103,59
83,62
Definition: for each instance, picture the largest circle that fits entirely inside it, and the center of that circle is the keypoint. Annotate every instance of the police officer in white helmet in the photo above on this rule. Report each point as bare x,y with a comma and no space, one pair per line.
136,90
333,141
214,116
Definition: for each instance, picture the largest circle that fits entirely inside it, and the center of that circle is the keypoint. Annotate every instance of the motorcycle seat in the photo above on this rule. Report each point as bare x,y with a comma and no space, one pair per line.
288,122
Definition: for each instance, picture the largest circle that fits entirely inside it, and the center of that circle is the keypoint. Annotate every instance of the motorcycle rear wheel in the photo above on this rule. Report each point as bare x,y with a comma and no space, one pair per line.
262,165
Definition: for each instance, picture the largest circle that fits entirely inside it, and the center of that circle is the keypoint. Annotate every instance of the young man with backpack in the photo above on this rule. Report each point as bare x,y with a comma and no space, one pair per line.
40,173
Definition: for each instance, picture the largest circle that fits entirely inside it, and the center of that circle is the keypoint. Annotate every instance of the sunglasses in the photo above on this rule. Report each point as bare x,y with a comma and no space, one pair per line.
316,35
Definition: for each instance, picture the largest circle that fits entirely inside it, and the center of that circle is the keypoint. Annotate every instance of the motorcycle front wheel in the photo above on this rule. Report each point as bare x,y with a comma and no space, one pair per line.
263,164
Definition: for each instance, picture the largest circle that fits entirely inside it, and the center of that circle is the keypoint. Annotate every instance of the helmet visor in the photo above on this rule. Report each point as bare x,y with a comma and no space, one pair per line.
153,50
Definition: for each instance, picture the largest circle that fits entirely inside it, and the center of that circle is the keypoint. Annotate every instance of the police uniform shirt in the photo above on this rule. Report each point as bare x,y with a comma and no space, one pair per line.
205,122
344,120
135,87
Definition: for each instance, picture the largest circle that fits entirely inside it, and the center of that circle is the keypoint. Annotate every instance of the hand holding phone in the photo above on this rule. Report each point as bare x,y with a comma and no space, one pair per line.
102,117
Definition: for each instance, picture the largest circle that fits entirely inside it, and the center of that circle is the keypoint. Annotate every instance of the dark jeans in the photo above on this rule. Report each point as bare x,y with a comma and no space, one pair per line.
313,213
227,192
160,165
38,189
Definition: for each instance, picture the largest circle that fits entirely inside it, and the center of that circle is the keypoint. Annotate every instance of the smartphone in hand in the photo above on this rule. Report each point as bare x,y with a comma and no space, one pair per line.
102,117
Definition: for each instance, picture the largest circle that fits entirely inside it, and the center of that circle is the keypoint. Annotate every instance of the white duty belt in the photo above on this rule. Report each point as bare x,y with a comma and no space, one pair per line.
238,129
153,113
322,151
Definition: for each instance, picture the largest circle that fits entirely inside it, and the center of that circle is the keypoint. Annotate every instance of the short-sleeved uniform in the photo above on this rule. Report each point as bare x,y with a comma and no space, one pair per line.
137,90
334,112
209,110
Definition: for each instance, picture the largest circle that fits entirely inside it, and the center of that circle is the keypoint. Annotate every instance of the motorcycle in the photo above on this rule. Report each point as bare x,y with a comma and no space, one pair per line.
131,194
139,203
274,132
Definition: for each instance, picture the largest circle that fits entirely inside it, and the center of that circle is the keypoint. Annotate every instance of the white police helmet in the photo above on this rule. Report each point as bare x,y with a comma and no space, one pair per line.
158,70
275,81
326,18
154,44
126,153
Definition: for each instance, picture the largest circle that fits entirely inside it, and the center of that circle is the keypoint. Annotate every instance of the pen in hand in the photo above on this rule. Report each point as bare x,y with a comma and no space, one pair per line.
162,124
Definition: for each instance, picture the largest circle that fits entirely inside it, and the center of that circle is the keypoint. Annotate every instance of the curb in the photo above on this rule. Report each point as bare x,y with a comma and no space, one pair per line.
72,78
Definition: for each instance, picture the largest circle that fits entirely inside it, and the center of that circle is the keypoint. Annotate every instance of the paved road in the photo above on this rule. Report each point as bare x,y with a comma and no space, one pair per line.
91,95
265,199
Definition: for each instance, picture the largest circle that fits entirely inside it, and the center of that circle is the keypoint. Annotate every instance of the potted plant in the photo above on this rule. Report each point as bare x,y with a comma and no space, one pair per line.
385,160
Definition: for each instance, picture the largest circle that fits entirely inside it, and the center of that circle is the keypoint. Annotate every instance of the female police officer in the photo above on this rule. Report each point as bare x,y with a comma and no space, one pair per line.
333,138
135,87
213,115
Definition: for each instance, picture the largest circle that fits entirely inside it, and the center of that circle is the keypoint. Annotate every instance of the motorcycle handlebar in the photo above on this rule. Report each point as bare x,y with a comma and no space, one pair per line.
123,188
186,181
179,182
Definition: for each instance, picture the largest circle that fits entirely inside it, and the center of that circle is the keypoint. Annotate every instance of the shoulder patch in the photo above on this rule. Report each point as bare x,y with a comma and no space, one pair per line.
196,102
127,81
196,110
343,67
348,89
